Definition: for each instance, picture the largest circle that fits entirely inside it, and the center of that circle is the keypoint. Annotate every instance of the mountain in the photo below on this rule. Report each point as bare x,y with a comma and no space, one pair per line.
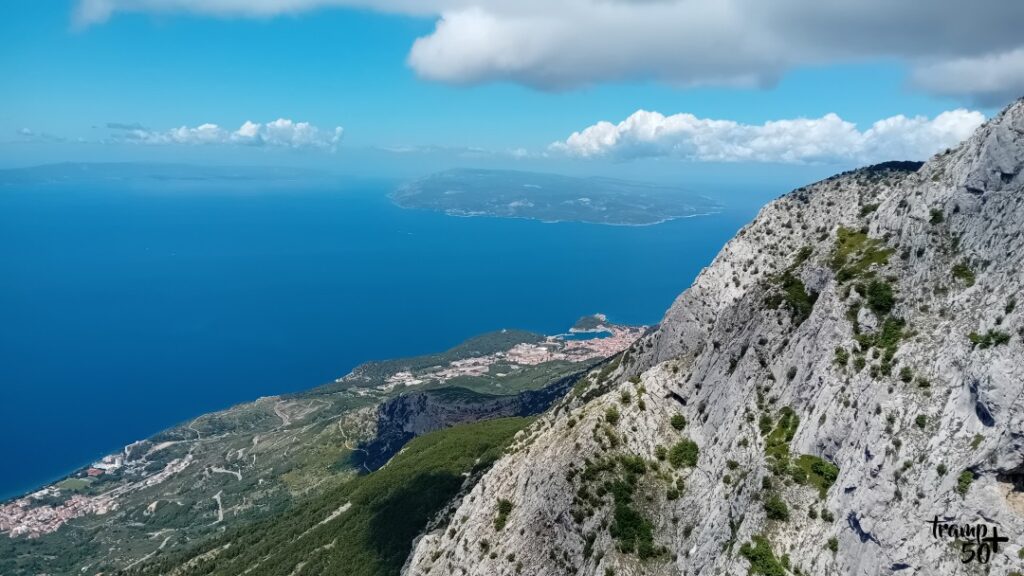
839,392
550,198
845,379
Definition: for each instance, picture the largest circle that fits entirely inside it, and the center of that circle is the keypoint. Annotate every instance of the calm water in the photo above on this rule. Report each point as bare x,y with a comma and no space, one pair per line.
123,312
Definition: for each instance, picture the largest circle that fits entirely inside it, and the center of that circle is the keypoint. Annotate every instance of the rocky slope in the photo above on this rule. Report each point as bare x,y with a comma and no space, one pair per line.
848,369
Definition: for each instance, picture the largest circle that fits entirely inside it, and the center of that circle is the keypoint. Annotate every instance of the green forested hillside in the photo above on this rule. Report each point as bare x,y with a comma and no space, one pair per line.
363,528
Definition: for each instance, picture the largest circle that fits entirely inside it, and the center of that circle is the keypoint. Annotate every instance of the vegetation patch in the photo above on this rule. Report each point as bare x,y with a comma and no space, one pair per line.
616,478
762,560
880,297
776,446
842,357
792,293
504,509
886,339
964,481
867,209
962,272
612,415
988,339
816,471
383,512
634,532
855,253
775,508
683,453
678,421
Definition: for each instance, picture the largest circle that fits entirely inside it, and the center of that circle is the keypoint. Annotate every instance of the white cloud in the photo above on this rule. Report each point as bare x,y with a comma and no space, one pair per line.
279,133
828,139
555,44
30,135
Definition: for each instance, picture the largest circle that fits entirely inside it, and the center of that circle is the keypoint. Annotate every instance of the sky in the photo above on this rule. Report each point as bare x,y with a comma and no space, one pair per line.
627,86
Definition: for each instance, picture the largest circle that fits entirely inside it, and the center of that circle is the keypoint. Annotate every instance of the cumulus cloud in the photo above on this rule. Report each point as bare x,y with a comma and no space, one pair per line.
556,44
828,139
282,133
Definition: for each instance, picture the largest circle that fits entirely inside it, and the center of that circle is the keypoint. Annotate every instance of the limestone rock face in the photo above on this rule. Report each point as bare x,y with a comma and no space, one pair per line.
850,367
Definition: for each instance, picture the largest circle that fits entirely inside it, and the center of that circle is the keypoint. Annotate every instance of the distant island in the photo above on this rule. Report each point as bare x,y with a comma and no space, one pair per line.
550,198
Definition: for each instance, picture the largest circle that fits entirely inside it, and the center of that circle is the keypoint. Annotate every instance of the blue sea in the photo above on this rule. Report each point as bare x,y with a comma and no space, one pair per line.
125,310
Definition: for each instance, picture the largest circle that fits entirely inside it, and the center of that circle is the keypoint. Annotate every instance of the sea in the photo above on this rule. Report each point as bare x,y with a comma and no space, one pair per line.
126,309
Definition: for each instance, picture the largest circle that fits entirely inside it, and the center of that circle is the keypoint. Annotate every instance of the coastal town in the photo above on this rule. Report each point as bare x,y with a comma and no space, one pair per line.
46,510
101,487
601,341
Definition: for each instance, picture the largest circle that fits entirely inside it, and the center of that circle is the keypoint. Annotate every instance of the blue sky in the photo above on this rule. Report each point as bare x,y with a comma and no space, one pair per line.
349,67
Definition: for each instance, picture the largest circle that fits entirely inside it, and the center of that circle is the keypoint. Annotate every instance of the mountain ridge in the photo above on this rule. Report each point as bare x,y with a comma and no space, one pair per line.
848,369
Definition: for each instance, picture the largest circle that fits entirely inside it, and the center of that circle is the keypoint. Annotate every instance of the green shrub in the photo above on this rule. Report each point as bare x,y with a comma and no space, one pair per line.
683,453
678,421
660,452
777,443
633,464
867,209
833,545
762,561
880,297
612,415
634,533
988,339
842,356
921,421
819,472
504,509
961,271
941,469
936,216
802,256
796,296
976,441
963,482
775,508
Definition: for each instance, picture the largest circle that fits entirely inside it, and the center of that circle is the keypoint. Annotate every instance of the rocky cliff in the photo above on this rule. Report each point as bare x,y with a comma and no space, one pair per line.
416,413
848,370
